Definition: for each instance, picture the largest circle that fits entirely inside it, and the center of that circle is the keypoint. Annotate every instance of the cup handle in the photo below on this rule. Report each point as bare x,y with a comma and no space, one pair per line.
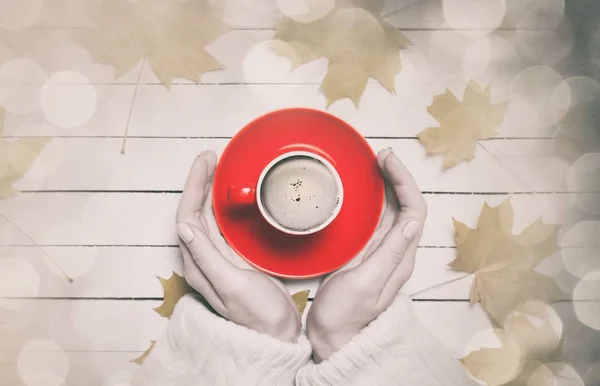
241,195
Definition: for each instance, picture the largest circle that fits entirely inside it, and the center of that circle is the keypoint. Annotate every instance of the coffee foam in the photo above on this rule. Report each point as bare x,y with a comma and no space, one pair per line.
300,193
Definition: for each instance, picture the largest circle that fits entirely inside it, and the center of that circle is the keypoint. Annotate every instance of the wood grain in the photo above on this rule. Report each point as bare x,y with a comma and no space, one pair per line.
148,218
106,273
160,164
109,325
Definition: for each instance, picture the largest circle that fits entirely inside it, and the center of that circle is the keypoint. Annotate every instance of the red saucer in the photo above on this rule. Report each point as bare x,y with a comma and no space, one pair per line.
291,256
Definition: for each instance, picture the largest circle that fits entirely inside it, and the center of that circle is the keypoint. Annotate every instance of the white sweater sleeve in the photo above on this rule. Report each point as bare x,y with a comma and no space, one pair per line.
395,349
200,348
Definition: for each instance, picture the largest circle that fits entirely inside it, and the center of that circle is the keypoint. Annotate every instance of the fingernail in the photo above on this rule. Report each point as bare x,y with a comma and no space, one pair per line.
185,232
410,229
390,149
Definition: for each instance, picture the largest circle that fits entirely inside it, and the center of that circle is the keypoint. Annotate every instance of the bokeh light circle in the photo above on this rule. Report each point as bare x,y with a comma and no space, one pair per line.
446,52
18,278
261,64
48,160
477,57
21,81
18,14
576,90
4,159
555,374
76,265
512,352
586,300
580,248
43,359
535,86
542,33
474,17
538,14
536,326
68,99
584,176
305,11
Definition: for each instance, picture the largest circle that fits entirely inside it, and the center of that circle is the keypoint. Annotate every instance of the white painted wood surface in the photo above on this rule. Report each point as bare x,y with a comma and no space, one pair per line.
108,218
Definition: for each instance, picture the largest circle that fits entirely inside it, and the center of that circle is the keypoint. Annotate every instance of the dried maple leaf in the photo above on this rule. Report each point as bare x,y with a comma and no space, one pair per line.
532,327
301,300
174,288
496,366
171,35
461,123
357,42
503,263
16,157
139,360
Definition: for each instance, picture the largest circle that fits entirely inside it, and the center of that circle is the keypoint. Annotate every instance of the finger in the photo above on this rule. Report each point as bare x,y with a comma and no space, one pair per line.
405,187
382,155
221,273
378,267
387,222
408,223
400,275
214,233
193,197
196,278
211,160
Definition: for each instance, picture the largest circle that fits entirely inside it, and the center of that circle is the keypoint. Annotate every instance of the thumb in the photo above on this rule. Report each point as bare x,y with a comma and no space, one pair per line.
377,268
396,241
217,269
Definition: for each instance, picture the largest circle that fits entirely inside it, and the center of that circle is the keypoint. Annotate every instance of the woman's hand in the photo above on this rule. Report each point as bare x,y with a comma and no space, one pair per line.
352,297
236,291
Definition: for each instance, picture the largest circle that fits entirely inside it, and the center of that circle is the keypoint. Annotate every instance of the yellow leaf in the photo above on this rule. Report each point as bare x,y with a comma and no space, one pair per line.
529,368
531,325
16,157
552,374
170,34
496,366
357,42
301,300
175,288
139,360
461,123
504,263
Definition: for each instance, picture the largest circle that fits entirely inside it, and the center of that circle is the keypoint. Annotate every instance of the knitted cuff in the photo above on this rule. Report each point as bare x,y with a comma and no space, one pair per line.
200,346
357,359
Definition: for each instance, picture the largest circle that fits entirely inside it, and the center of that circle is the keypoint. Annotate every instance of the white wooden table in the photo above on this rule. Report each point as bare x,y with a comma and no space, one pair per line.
108,218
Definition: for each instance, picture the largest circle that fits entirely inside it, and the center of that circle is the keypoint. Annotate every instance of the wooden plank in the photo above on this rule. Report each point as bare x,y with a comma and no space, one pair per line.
56,50
443,57
533,162
163,164
221,110
110,112
401,13
440,57
108,325
147,218
84,367
188,111
256,81
106,273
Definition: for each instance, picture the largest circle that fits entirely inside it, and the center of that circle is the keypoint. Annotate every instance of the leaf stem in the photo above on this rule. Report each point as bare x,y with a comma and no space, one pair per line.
46,254
439,285
137,85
